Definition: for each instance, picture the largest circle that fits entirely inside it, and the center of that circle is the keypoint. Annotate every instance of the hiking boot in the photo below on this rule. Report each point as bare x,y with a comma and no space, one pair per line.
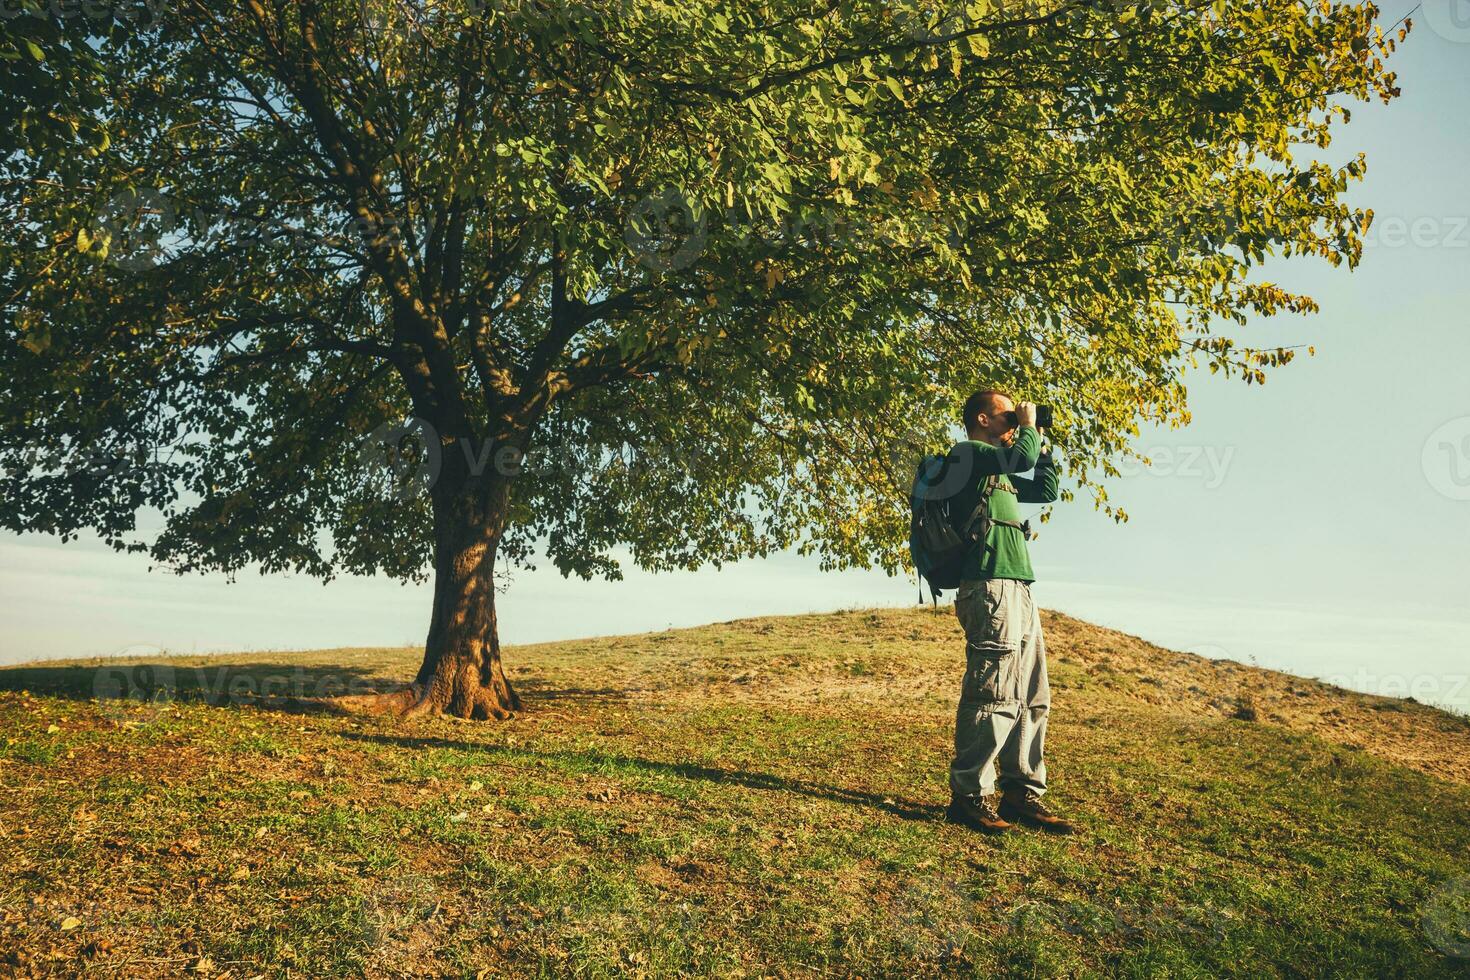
977,813
1024,806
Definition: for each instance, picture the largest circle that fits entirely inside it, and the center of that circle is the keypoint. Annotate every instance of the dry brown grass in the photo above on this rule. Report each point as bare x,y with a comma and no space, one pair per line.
750,798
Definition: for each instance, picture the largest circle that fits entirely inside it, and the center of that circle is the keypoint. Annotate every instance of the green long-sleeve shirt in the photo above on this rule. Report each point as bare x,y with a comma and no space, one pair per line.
1006,555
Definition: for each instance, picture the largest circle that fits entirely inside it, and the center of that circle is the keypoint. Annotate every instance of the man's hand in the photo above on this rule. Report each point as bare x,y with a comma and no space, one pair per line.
1026,414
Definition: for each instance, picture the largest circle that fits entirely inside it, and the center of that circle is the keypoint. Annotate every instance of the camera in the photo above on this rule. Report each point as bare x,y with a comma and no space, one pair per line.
1043,417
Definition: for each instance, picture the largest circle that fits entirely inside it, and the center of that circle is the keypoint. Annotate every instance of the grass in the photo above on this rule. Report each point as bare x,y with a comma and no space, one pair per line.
755,798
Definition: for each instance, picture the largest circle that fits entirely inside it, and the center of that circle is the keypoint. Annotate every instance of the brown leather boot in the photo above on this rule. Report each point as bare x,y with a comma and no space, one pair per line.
977,813
1024,805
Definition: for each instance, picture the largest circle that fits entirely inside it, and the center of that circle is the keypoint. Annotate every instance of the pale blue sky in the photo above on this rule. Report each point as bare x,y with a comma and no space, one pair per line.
1320,524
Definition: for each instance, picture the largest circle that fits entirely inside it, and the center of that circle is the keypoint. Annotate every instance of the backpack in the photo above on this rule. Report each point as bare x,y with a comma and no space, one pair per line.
939,538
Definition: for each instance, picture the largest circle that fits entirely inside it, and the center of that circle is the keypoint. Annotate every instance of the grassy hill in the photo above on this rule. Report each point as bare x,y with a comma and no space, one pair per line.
760,797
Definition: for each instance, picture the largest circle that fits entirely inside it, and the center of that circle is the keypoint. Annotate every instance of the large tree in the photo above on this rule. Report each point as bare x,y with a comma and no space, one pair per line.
696,279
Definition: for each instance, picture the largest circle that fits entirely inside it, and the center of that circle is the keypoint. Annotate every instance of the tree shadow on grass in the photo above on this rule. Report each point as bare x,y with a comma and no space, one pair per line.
296,688
158,683
594,760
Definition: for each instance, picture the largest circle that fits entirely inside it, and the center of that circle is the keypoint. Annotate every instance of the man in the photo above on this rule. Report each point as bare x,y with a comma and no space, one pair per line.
1005,698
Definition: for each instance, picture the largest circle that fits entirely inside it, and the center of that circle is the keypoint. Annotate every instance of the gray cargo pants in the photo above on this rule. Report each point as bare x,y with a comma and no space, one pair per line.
1005,697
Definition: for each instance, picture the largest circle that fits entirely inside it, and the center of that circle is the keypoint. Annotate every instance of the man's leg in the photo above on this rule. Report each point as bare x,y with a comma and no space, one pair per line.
1022,757
989,705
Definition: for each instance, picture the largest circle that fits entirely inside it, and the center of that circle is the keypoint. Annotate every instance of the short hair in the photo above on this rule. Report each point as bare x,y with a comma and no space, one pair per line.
980,401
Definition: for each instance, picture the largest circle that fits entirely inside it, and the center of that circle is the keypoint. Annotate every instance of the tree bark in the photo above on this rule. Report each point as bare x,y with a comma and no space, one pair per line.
462,673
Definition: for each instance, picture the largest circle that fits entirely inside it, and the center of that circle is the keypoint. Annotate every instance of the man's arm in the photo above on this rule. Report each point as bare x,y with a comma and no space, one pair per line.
1041,489
1018,457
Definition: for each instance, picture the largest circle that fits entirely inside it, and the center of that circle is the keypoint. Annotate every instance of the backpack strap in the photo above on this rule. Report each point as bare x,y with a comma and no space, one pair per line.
991,482
1024,526
987,521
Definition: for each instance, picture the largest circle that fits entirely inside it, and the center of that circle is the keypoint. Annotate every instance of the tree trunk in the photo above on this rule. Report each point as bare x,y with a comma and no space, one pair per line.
461,675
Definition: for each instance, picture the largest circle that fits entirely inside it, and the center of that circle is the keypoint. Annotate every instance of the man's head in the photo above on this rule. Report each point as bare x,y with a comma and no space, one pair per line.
986,418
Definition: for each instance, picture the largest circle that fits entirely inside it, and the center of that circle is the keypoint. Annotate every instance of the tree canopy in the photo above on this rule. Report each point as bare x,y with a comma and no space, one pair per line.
695,279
